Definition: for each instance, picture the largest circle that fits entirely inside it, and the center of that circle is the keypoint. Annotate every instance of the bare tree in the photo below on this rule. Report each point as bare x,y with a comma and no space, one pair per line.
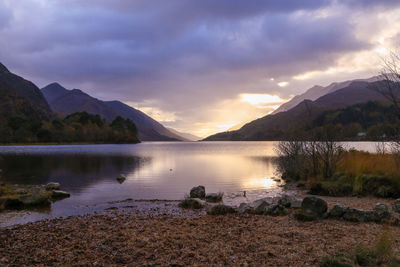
389,86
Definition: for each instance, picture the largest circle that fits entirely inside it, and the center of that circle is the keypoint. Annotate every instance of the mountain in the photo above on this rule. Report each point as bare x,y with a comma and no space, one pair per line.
187,136
317,91
283,124
19,97
64,102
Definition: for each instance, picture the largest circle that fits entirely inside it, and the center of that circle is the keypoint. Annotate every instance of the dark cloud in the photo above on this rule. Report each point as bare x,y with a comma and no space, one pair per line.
182,54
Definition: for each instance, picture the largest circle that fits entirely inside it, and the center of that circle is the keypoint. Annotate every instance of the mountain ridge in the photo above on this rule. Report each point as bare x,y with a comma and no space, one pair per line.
64,102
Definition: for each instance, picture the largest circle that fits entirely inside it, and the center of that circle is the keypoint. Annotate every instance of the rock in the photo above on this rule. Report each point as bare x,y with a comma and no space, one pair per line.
275,210
356,215
60,194
52,186
314,207
396,205
337,211
198,192
214,197
221,210
259,205
121,178
244,208
381,212
289,201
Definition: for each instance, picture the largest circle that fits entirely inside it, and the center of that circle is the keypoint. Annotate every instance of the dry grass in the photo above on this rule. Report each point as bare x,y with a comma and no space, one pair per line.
357,163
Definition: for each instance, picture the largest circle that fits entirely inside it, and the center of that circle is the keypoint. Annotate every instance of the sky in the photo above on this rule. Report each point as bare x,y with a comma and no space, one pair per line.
197,66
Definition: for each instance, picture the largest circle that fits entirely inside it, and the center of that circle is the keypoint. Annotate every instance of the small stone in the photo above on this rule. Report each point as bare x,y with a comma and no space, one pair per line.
275,210
121,178
198,192
286,201
52,186
60,194
259,205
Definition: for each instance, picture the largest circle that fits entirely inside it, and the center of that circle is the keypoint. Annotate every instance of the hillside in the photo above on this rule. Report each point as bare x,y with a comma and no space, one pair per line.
19,97
317,91
64,102
284,124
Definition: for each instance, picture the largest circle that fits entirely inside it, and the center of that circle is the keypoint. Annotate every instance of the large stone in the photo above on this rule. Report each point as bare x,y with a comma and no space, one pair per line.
244,208
60,194
337,211
314,207
260,205
198,192
52,186
356,215
396,205
381,212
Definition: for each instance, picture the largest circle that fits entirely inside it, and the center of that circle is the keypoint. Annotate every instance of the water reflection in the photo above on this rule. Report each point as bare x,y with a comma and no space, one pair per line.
154,171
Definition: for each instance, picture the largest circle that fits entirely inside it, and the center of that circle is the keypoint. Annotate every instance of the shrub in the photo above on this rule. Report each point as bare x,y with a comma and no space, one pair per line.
221,210
189,203
335,261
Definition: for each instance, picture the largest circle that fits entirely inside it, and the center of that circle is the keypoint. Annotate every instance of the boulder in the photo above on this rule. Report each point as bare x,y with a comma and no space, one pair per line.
244,208
221,210
259,205
337,211
381,212
396,205
60,194
198,192
52,186
214,197
356,215
314,207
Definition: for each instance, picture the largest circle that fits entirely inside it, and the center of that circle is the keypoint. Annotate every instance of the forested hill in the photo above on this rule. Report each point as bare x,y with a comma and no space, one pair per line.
26,117
19,97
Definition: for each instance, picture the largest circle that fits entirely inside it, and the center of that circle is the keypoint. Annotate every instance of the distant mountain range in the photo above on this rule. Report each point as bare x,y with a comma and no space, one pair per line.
64,102
187,136
20,97
291,118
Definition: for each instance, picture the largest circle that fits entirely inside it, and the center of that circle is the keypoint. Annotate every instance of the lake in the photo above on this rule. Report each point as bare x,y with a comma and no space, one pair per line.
154,170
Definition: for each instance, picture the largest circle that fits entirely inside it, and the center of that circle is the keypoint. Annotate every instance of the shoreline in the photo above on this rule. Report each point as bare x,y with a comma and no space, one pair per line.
132,234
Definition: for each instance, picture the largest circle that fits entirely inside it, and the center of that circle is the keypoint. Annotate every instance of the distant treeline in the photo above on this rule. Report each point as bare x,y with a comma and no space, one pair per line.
79,127
368,121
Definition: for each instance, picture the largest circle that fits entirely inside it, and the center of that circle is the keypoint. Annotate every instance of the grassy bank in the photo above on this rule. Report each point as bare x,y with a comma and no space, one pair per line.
332,171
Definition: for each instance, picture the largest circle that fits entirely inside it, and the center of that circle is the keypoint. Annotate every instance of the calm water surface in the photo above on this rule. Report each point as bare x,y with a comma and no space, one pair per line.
154,170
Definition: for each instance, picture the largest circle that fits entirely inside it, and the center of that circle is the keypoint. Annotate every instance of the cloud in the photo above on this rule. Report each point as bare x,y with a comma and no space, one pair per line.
185,58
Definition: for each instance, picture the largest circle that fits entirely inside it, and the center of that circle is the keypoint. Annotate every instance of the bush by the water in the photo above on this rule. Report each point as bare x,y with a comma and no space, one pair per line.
350,172
221,210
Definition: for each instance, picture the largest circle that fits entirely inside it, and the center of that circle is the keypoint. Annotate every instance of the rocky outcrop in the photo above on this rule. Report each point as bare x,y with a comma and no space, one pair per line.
198,192
57,194
52,186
